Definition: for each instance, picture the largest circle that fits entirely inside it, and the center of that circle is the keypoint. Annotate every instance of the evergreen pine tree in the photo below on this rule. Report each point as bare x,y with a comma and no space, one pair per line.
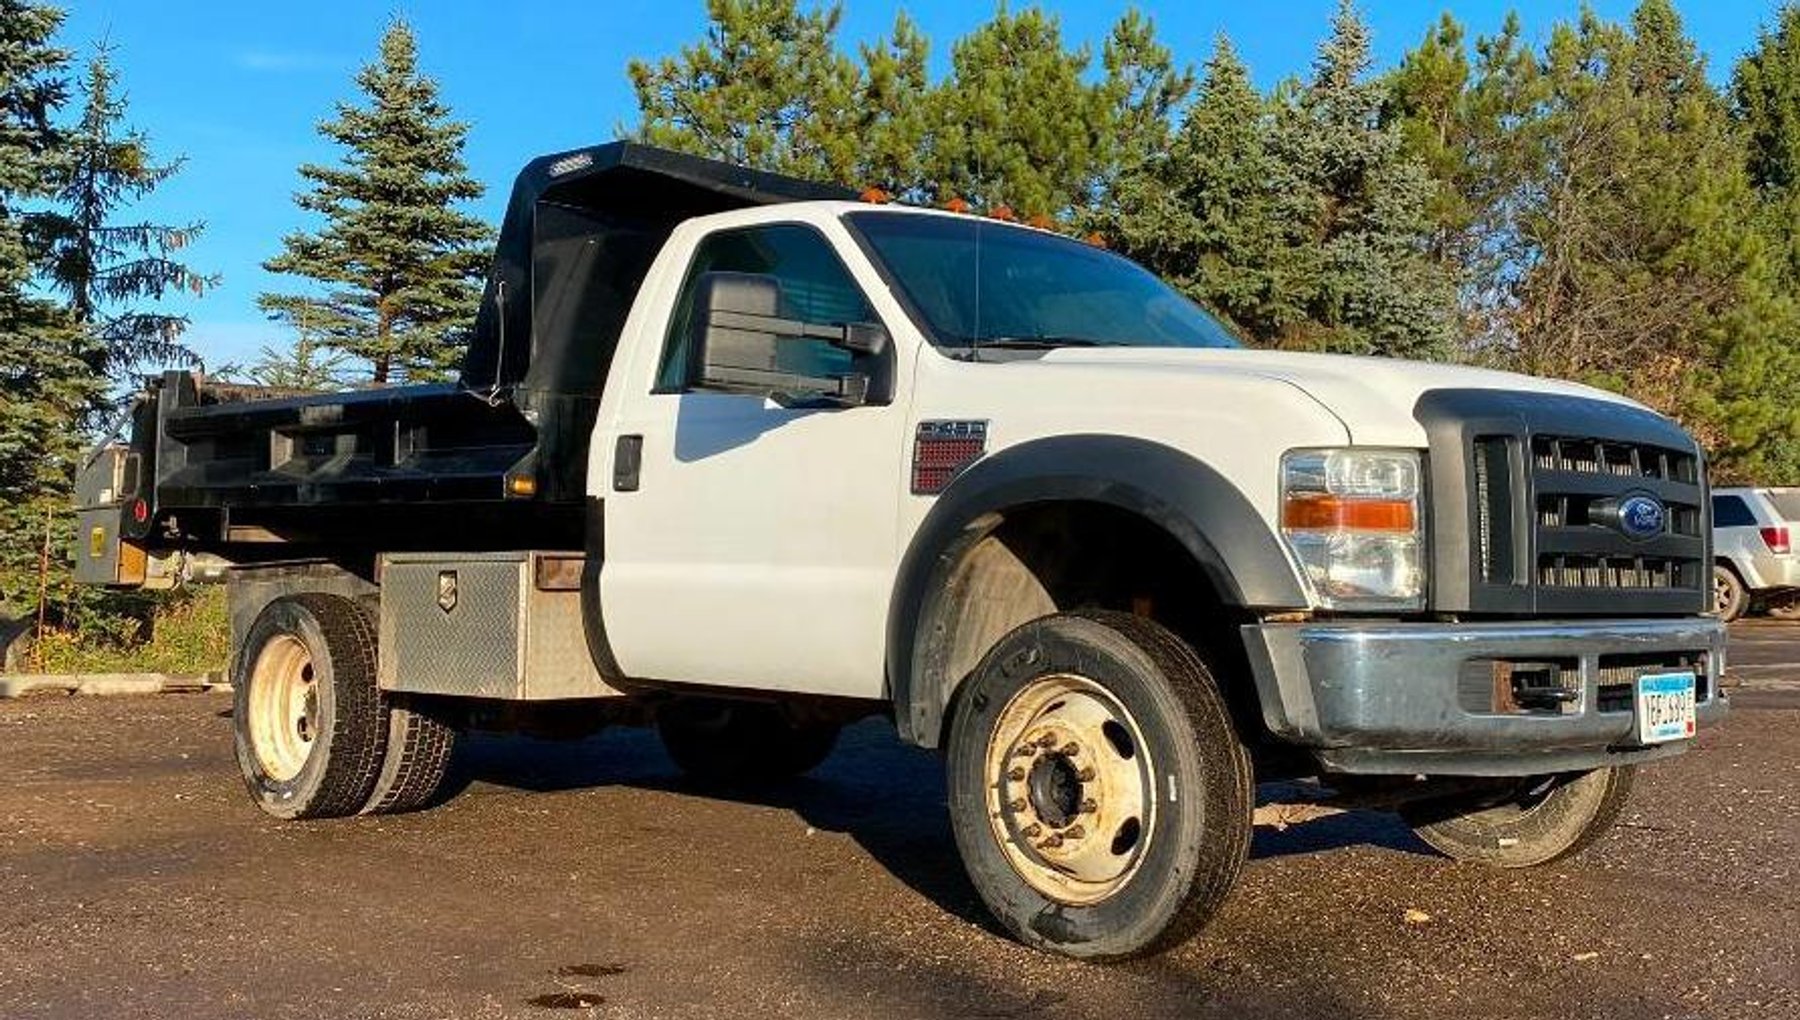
1470,121
767,88
47,384
1595,198
102,266
1142,91
891,122
1428,99
1345,179
1765,93
1765,97
1021,122
399,263
302,368
1201,214
1017,124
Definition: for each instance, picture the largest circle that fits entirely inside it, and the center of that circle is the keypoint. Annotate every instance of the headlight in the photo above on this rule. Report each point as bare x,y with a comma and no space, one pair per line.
1354,521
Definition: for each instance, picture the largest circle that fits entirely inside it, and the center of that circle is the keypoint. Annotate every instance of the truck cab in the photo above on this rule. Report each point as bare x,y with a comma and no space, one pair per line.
745,459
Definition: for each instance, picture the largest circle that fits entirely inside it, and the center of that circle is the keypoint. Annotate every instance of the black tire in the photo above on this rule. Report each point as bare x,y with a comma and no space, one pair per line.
1195,787
419,748
1731,600
1554,818
741,742
342,728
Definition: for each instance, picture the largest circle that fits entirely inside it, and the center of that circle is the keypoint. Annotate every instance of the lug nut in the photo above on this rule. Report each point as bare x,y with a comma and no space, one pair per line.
1074,832
1016,774
1086,775
1071,749
1047,741
1016,805
1032,831
1051,843
1089,806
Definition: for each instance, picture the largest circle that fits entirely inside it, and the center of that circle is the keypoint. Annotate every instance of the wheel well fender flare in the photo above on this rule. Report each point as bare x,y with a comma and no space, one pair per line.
1187,498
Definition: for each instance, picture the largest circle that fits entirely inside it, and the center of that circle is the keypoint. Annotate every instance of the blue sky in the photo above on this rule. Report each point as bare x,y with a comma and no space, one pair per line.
237,87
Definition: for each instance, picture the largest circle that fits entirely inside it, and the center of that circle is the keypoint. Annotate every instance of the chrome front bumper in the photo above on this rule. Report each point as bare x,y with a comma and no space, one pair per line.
1395,698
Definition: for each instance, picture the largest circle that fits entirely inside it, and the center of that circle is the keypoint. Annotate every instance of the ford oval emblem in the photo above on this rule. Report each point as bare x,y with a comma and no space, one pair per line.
1643,517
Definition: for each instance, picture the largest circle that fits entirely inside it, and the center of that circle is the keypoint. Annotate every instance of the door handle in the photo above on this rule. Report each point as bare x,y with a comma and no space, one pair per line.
628,463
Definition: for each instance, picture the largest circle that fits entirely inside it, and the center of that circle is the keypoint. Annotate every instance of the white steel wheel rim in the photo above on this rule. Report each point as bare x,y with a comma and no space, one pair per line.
284,707
1070,789
1721,592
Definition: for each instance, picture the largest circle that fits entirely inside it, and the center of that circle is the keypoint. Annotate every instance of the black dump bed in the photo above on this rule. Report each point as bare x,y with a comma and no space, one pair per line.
496,460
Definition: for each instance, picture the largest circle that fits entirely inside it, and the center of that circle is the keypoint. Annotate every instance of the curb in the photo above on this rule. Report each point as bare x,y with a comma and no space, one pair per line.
105,684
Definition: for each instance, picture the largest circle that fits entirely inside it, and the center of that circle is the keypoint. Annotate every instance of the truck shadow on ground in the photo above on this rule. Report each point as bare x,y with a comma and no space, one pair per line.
887,797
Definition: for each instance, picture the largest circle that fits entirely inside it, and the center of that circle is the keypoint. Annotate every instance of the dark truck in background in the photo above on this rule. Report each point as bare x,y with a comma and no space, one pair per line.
746,459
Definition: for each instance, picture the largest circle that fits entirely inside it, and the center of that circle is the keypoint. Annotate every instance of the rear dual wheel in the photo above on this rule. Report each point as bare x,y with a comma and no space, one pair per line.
1099,794
314,736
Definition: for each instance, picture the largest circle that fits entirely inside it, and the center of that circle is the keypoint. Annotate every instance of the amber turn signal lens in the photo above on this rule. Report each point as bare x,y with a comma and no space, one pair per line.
1328,513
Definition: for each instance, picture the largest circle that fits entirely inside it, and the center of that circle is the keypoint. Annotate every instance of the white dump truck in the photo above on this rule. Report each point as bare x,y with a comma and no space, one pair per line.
746,459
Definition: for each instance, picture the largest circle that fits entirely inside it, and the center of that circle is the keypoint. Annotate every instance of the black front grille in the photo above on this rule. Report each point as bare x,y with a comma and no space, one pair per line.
1580,551
1564,570
1617,677
1587,456
1529,491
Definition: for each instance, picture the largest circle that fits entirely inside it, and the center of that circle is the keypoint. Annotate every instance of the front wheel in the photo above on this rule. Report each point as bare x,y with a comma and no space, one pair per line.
1539,822
1099,794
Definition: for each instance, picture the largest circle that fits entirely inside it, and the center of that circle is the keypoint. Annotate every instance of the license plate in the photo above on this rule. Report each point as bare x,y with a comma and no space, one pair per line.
1665,707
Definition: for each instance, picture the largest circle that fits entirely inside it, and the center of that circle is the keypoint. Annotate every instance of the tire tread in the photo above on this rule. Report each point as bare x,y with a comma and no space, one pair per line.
358,740
1198,692
417,761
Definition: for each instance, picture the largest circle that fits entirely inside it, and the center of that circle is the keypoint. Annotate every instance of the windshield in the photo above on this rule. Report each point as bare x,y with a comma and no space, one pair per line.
977,283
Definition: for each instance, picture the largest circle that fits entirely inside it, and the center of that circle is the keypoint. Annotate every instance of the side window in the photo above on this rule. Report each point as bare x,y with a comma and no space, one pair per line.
1731,512
815,287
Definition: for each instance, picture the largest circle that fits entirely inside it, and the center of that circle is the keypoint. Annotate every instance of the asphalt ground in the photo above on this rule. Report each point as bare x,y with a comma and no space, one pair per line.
589,879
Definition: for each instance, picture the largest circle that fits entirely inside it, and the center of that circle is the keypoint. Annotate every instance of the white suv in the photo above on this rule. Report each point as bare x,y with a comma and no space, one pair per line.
1753,553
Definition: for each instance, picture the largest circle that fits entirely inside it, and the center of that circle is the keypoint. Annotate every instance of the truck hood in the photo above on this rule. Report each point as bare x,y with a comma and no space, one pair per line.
1372,397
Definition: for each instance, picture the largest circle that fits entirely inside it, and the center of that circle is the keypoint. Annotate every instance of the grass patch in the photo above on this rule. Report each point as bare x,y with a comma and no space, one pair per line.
187,632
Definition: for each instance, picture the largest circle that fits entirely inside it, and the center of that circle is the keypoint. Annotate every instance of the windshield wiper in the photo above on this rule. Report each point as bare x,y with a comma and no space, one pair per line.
1042,343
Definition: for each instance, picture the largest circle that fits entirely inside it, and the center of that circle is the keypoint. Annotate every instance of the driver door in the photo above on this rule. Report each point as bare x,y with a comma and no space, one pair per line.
755,547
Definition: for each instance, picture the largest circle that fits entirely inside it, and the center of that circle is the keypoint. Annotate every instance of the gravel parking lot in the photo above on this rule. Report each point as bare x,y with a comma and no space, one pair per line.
588,879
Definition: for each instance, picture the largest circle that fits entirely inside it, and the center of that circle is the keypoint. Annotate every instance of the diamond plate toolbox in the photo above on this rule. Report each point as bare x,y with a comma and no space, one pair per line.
478,625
